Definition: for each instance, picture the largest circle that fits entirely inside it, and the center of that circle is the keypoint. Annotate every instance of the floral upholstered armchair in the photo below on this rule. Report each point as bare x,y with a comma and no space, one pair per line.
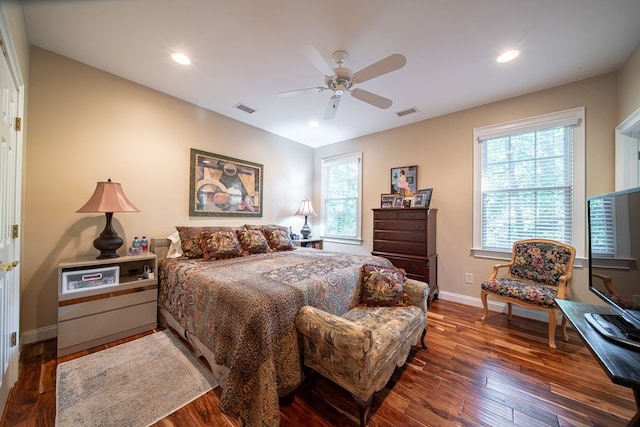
360,349
539,272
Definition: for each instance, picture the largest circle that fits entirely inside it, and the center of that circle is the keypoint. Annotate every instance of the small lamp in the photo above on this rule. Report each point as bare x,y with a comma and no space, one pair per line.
307,210
108,197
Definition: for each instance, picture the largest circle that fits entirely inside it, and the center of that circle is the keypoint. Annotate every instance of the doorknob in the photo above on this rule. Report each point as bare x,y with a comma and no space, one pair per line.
8,266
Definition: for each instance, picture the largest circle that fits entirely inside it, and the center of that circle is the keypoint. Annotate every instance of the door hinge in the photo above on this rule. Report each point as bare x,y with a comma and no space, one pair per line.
18,124
14,231
14,339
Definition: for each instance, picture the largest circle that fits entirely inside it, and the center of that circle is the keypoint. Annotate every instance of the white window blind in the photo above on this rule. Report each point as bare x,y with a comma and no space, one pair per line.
525,181
342,188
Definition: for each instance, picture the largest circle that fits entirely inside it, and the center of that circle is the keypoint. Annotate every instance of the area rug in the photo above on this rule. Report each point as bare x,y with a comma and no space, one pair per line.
133,384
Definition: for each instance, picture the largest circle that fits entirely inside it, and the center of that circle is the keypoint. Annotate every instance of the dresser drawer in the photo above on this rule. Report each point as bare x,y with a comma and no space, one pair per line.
385,215
399,225
413,267
411,214
401,236
418,249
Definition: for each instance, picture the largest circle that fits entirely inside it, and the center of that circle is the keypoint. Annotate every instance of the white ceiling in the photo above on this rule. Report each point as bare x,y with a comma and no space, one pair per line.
246,51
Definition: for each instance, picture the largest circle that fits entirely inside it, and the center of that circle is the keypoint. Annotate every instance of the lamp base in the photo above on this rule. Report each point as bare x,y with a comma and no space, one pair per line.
108,242
305,230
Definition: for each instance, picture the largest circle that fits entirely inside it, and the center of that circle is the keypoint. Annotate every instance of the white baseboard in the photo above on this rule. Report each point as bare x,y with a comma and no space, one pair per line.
40,334
495,306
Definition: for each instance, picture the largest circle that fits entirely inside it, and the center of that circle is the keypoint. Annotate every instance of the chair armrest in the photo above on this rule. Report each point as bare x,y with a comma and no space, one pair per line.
496,268
324,329
564,286
417,292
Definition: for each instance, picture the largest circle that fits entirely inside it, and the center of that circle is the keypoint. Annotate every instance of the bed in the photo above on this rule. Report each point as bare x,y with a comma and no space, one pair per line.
238,313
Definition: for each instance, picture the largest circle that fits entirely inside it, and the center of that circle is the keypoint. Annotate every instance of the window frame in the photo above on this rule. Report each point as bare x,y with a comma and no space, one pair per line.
573,116
324,164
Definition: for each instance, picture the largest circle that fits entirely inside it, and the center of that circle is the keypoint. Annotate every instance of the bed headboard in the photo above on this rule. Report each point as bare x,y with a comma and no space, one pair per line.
159,246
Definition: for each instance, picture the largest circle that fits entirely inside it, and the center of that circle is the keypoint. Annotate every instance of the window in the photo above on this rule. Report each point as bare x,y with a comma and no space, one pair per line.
341,197
529,182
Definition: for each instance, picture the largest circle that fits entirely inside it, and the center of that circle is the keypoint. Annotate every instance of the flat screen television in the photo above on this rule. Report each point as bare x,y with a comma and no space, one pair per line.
614,250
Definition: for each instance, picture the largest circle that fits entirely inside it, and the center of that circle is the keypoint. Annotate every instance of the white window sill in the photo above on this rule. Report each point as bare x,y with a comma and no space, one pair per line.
506,257
342,240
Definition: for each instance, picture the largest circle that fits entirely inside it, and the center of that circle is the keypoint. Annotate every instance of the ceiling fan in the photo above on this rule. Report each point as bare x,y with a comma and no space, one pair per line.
342,79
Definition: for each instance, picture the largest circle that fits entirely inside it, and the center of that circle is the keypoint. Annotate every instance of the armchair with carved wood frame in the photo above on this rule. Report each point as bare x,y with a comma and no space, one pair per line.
539,272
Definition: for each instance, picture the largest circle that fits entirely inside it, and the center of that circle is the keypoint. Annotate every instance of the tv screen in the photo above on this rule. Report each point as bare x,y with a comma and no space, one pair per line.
614,249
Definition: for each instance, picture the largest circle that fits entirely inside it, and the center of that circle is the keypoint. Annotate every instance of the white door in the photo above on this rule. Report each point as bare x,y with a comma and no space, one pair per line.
10,191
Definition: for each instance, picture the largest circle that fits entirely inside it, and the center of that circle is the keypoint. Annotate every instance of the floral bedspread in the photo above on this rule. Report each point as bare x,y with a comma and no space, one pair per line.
243,309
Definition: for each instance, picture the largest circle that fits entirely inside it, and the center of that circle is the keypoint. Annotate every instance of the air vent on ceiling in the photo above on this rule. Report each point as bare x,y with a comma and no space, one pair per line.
245,108
407,112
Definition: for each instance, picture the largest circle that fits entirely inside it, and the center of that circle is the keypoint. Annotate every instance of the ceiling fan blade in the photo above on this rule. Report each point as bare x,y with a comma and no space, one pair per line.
332,107
371,98
384,66
287,93
317,60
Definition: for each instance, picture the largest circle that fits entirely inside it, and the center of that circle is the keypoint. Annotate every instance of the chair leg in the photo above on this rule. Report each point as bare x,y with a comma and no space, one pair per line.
509,311
363,408
552,329
483,297
424,334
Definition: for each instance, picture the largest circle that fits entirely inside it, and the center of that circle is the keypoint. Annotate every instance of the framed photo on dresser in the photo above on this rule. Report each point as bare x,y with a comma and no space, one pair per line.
423,198
386,200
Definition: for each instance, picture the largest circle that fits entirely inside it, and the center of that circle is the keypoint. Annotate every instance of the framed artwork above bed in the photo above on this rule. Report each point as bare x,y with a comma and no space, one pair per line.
224,186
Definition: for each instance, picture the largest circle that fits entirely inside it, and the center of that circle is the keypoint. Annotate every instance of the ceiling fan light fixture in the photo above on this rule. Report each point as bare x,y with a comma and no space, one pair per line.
508,55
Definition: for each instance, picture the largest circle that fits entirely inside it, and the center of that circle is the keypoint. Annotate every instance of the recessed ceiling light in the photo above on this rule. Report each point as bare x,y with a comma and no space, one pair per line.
508,56
314,124
180,58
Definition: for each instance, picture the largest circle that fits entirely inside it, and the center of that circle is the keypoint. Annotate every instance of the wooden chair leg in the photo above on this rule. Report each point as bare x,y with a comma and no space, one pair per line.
552,329
424,334
483,297
363,408
509,311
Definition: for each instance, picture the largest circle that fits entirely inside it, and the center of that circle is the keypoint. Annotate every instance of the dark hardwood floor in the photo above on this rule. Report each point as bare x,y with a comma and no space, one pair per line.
495,374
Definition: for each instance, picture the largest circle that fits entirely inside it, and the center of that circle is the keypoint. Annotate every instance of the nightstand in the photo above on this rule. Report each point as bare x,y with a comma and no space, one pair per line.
309,243
103,300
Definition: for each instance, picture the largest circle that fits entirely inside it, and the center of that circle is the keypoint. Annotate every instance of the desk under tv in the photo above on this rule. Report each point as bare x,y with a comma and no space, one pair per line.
621,364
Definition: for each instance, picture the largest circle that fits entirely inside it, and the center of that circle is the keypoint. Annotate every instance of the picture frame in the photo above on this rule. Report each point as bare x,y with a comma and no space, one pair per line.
398,201
224,186
408,202
425,194
387,200
406,174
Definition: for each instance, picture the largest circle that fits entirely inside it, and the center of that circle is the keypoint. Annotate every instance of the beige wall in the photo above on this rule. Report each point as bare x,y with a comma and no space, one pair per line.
85,126
629,86
443,150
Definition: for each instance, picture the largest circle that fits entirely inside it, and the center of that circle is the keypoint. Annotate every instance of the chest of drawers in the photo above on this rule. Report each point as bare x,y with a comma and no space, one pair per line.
407,238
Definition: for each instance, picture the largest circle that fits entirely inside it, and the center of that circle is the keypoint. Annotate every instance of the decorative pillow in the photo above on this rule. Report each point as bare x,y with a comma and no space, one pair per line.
279,240
264,227
381,286
190,238
253,241
220,244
